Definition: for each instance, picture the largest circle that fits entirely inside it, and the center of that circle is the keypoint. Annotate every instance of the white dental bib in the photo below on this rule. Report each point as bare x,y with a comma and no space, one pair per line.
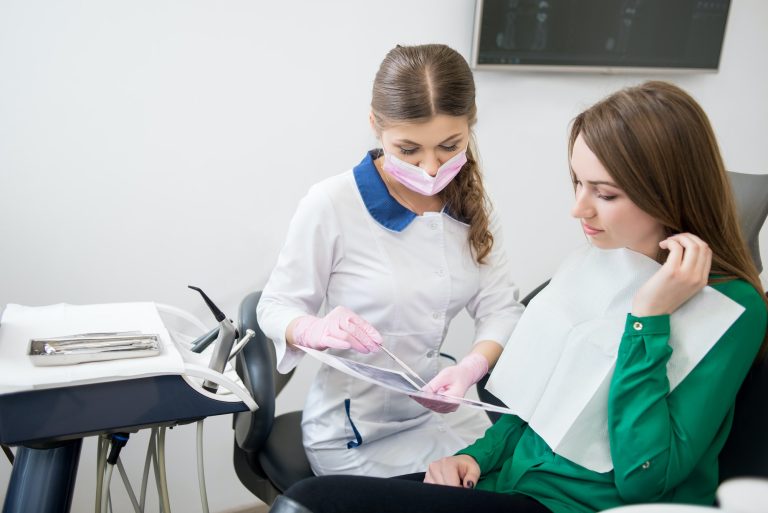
556,369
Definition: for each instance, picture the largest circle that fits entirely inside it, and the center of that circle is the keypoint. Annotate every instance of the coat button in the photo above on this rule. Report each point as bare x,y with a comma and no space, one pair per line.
433,226
637,325
435,315
431,354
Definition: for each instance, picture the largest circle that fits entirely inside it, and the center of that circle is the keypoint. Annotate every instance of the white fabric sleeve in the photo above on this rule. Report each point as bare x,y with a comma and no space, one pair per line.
298,283
495,307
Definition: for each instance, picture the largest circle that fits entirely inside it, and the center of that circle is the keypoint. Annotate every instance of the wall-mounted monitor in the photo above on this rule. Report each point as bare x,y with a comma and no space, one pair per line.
599,35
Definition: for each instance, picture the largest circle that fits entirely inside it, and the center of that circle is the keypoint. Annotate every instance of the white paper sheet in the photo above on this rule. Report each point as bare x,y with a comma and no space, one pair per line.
556,368
393,380
20,323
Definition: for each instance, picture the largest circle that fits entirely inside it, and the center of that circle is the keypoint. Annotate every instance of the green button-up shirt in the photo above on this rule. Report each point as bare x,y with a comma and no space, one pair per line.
664,445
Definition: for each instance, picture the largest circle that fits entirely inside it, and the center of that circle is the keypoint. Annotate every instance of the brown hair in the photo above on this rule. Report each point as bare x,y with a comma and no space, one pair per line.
415,83
658,145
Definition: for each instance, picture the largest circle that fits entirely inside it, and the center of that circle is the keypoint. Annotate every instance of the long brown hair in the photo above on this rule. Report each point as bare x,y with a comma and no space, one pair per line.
415,83
658,145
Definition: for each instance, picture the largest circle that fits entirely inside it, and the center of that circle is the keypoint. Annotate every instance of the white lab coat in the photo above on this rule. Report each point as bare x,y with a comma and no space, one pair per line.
351,244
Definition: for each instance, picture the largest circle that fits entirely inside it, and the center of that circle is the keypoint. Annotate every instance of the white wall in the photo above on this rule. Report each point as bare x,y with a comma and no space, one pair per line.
148,145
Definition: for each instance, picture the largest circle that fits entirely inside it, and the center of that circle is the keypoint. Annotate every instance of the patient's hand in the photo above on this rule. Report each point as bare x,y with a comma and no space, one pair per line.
684,274
461,470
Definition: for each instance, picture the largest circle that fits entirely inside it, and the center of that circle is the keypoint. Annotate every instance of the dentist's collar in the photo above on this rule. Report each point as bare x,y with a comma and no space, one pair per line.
380,204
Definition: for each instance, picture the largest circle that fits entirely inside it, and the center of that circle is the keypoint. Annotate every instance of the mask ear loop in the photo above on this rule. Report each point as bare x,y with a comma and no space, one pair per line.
375,127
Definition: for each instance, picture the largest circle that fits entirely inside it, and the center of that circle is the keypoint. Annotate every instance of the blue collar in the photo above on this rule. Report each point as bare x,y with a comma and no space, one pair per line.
380,204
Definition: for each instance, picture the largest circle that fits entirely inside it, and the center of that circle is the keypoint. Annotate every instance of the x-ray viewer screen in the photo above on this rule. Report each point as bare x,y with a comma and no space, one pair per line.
604,33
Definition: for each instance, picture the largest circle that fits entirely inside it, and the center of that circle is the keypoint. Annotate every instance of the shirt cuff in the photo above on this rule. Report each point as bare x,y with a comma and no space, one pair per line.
651,325
498,329
287,357
273,321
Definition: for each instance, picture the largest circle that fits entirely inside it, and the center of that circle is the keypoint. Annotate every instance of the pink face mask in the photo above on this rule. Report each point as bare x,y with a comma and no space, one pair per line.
418,180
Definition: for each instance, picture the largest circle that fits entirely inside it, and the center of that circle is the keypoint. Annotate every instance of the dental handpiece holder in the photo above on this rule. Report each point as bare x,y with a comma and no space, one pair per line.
224,341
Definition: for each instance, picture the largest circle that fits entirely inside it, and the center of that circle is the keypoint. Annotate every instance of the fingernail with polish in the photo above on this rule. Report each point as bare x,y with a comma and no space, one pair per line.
470,484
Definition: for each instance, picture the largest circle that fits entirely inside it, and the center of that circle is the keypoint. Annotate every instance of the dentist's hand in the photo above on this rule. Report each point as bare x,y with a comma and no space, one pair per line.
341,328
461,470
684,274
455,380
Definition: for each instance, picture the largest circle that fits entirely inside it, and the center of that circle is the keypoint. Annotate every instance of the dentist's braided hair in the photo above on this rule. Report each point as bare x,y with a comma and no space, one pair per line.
415,83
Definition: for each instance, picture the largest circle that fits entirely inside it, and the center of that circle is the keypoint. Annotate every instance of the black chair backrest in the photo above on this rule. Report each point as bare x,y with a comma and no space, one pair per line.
746,451
256,366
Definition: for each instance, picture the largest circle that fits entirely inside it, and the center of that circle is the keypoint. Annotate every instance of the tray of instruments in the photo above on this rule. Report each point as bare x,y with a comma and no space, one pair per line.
92,347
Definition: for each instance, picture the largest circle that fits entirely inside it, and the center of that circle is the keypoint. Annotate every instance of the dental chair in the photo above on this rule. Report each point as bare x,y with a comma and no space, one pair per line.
746,450
268,451
269,454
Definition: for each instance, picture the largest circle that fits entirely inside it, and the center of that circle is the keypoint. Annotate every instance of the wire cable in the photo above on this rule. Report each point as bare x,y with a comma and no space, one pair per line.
105,489
163,478
201,468
156,467
100,463
145,473
116,441
128,487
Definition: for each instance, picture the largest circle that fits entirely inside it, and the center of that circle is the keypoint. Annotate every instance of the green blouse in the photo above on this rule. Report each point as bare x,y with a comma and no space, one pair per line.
664,445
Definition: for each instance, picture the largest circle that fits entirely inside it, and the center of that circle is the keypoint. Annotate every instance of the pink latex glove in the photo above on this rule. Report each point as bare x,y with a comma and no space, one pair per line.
341,328
454,380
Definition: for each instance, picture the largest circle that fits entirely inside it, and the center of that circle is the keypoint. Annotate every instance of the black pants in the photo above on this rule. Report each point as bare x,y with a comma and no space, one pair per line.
406,494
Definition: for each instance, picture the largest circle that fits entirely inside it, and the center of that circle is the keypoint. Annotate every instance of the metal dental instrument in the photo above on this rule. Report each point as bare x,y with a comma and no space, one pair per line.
403,365
224,341
249,334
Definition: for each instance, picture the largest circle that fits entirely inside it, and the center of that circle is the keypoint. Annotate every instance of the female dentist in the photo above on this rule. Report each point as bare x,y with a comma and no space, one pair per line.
394,249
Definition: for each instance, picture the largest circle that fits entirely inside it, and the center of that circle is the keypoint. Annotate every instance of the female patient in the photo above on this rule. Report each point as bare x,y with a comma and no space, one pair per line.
648,177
